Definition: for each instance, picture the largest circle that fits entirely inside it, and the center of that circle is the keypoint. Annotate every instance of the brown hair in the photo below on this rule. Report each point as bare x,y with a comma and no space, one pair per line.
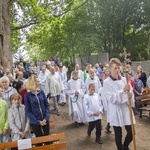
15,95
91,85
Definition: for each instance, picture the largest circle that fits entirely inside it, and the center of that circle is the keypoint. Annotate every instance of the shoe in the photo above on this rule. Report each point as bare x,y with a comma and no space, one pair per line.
125,148
62,104
99,141
88,133
76,124
108,131
81,124
58,113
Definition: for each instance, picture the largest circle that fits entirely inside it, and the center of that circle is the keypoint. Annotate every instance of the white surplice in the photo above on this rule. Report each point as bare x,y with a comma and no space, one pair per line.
104,100
92,104
63,78
95,81
80,75
76,109
118,108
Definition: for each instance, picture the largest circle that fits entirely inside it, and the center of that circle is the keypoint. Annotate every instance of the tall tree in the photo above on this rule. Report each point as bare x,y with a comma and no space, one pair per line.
17,15
5,47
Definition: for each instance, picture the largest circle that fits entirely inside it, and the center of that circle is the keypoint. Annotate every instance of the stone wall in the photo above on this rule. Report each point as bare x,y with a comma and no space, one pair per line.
145,65
103,58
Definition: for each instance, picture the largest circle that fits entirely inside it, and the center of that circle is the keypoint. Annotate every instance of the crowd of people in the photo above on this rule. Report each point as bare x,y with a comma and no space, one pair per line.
97,90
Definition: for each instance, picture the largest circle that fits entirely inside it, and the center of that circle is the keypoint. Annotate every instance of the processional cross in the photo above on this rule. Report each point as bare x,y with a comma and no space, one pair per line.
125,54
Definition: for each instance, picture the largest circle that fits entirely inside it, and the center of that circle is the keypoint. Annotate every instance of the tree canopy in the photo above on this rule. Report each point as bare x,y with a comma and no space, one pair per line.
72,28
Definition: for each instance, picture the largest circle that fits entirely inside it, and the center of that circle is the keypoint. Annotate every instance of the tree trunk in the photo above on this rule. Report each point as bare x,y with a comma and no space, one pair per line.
5,48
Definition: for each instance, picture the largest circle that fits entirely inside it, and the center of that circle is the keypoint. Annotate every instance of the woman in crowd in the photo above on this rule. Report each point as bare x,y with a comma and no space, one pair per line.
20,87
142,75
37,107
7,90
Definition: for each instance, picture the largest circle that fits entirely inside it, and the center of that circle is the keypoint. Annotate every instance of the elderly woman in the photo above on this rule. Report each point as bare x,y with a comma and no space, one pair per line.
7,91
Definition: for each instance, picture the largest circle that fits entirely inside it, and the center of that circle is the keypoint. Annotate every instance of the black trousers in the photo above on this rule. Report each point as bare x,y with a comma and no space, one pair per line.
118,136
96,124
41,130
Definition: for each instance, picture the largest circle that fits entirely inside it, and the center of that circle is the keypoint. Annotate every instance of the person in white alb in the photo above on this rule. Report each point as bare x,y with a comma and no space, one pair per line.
92,79
80,72
117,92
75,90
93,109
63,78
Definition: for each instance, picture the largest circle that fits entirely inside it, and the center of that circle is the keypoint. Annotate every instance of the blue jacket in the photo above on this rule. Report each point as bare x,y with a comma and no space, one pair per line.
37,107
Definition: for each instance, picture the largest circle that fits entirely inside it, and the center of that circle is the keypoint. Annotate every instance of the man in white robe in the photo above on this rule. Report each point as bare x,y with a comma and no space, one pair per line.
42,77
63,77
75,90
92,79
54,88
117,93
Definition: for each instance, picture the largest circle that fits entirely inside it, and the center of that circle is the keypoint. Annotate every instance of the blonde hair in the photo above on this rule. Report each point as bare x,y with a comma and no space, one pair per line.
18,73
91,70
140,68
115,61
74,72
31,83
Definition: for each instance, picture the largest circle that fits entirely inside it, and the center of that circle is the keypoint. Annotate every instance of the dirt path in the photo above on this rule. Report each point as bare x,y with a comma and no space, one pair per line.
77,138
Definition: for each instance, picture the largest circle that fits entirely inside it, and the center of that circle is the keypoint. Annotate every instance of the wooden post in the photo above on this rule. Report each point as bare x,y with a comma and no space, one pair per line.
125,54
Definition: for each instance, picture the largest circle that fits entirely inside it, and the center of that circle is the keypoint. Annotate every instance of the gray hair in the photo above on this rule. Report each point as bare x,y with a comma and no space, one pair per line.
4,78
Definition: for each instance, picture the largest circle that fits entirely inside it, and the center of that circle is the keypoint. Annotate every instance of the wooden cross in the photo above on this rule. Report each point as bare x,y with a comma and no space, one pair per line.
125,54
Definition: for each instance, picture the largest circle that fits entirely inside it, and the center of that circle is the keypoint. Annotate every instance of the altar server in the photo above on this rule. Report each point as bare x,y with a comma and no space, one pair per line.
75,90
117,93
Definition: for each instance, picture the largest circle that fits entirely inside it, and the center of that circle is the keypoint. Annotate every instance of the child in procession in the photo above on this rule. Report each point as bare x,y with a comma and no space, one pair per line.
93,79
93,109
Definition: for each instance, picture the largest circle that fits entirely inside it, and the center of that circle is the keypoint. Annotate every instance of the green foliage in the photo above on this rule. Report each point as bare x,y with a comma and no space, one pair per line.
86,28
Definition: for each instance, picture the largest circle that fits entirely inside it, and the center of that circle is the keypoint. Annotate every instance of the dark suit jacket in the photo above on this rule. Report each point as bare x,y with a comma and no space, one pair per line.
1,74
